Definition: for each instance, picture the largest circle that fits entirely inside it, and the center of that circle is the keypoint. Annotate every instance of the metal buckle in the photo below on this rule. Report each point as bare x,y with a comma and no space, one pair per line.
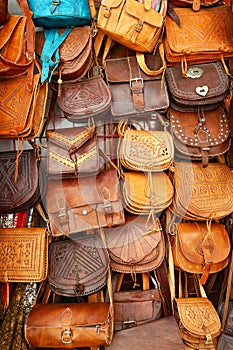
107,12
128,323
65,334
135,80
138,26
55,2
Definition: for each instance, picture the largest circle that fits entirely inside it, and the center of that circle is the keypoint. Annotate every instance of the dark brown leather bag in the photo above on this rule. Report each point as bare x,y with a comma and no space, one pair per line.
86,203
133,91
22,192
204,85
3,11
85,98
78,266
200,135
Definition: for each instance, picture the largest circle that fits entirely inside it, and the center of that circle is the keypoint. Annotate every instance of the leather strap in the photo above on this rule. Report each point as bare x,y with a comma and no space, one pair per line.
142,63
136,84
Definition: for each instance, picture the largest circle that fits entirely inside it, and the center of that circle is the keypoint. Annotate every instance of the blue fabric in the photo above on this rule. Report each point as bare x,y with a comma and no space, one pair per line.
60,13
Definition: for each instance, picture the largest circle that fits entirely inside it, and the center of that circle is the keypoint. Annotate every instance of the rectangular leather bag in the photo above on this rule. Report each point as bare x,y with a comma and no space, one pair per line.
203,36
201,134
202,193
24,192
133,91
72,152
200,249
26,259
86,203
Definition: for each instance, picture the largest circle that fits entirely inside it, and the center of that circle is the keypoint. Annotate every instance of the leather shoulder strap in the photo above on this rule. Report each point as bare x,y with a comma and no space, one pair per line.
141,61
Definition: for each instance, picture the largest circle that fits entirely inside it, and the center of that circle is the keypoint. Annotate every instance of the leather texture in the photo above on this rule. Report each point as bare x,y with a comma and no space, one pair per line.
198,322
204,84
3,11
25,118
60,14
137,246
85,98
133,91
195,4
202,193
78,266
200,135
131,23
200,249
72,152
24,192
75,53
69,325
155,192
162,334
144,150
198,39
97,203
27,257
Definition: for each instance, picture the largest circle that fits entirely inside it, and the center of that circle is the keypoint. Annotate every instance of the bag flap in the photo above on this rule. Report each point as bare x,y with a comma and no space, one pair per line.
204,192
191,236
122,70
68,137
155,195
211,77
89,190
135,241
111,3
27,257
198,31
79,314
208,128
198,316
15,25
137,10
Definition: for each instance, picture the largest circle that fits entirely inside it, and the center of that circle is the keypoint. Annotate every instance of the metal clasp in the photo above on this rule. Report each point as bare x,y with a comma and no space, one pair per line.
55,2
107,12
138,26
136,80
66,334
128,323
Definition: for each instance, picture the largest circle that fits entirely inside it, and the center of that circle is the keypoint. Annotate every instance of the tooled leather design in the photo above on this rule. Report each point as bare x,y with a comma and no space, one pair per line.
71,164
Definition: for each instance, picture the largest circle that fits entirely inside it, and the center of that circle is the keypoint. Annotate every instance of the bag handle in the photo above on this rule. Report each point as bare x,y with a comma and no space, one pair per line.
142,63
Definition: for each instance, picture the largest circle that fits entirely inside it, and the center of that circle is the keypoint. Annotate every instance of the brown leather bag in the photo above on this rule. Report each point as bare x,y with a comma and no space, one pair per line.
96,203
78,266
138,246
198,39
27,254
202,193
17,44
200,248
195,4
72,152
22,192
146,192
133,91
3,11
204,85
200,135
85,98
75,54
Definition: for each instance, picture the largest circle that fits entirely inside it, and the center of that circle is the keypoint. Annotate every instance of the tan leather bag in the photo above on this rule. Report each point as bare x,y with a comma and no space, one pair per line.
198,39
26,259
202,193
140,149
200,248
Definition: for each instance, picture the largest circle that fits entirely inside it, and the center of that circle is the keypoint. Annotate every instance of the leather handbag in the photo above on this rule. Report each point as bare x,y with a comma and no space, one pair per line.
133,91
70,325
200,135
24,254
134,307
53,14
195,4
204,85
96,203
200,248
17,45
135,25
78,266
22,192
65,54
3,11
202,193
88,97
144,150
72,152
146,192
198,39
138,246
22,110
